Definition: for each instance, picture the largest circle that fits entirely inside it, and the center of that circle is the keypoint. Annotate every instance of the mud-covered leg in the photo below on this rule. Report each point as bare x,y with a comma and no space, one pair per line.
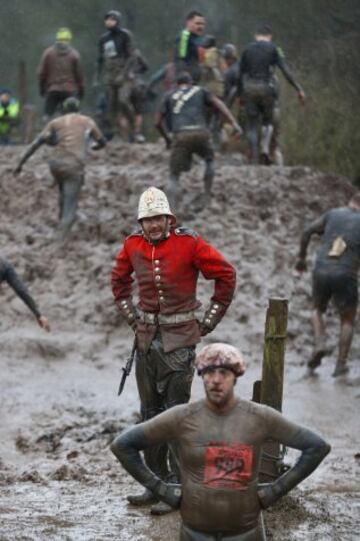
173,190
156,456
208,179
347,320
266,134
71,189
253,138
320,349
177,371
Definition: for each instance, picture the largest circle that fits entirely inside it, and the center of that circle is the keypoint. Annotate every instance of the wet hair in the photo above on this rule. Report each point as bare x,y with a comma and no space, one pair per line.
209,41
355,200
229,50
263,29
184,78
192,14
71,105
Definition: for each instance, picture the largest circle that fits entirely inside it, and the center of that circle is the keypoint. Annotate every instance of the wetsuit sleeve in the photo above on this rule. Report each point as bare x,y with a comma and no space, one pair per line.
214,266
121,279
316,227
280,62
313,450
127,447
11,277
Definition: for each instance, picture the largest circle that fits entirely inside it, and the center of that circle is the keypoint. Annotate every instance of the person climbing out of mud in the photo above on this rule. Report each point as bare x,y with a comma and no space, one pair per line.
188,45
184,113
167,261
70,135
9,275
219,442
60,74
334,277
260,92
116,66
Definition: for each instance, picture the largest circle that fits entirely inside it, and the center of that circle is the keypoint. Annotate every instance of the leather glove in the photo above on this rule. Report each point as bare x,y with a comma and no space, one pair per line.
128,310
212,317
169,493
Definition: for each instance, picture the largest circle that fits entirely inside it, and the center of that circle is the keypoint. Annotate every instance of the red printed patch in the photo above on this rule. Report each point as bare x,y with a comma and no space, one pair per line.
228,466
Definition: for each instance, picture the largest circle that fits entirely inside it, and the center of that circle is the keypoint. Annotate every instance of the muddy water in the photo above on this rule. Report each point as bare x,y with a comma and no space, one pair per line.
59,408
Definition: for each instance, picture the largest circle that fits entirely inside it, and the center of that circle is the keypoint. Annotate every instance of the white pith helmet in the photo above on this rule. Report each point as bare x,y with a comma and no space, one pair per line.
153,202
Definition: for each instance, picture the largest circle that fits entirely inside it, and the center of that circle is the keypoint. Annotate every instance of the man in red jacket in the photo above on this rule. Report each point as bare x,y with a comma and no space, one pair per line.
166,261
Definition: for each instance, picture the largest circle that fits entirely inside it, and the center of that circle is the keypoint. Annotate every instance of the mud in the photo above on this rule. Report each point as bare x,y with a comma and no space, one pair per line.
59,408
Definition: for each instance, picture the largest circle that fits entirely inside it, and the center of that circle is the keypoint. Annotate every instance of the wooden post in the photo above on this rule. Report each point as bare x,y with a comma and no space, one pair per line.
29,115
272,381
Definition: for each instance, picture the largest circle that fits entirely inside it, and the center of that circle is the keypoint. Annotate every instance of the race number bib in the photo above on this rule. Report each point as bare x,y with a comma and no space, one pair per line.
228,466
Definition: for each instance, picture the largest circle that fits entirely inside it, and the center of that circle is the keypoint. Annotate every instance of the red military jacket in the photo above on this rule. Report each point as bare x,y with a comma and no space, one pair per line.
167,275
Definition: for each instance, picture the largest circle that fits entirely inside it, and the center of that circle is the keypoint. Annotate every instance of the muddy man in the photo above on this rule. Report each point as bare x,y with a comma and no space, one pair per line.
334,277
219,442
71,135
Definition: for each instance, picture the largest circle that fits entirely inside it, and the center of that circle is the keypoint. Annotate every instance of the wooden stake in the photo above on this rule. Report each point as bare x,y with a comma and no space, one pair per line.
272,382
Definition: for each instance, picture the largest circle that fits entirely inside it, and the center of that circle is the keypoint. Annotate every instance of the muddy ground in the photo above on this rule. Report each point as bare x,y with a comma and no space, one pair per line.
58,392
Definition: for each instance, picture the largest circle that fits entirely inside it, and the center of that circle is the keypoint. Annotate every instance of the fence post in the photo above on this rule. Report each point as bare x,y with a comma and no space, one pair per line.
272,380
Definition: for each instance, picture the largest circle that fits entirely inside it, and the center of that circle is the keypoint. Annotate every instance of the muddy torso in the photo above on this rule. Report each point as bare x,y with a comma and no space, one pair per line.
258,60
115,48
73,133
219,457
344,223
185,108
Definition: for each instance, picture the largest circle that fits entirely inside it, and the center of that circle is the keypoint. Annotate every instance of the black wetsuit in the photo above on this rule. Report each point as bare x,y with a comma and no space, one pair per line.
258,87
8,274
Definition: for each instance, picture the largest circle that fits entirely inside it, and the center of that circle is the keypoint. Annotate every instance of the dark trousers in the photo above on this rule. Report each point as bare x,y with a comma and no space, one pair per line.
164,380
54,101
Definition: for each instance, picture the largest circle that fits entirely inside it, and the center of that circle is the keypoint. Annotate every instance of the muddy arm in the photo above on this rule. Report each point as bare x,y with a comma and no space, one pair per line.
316,227
30,151
159,125
11,277
226,113
314,450
126,448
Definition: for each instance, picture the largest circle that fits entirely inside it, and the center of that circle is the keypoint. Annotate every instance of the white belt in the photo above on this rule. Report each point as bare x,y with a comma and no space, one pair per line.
163,319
